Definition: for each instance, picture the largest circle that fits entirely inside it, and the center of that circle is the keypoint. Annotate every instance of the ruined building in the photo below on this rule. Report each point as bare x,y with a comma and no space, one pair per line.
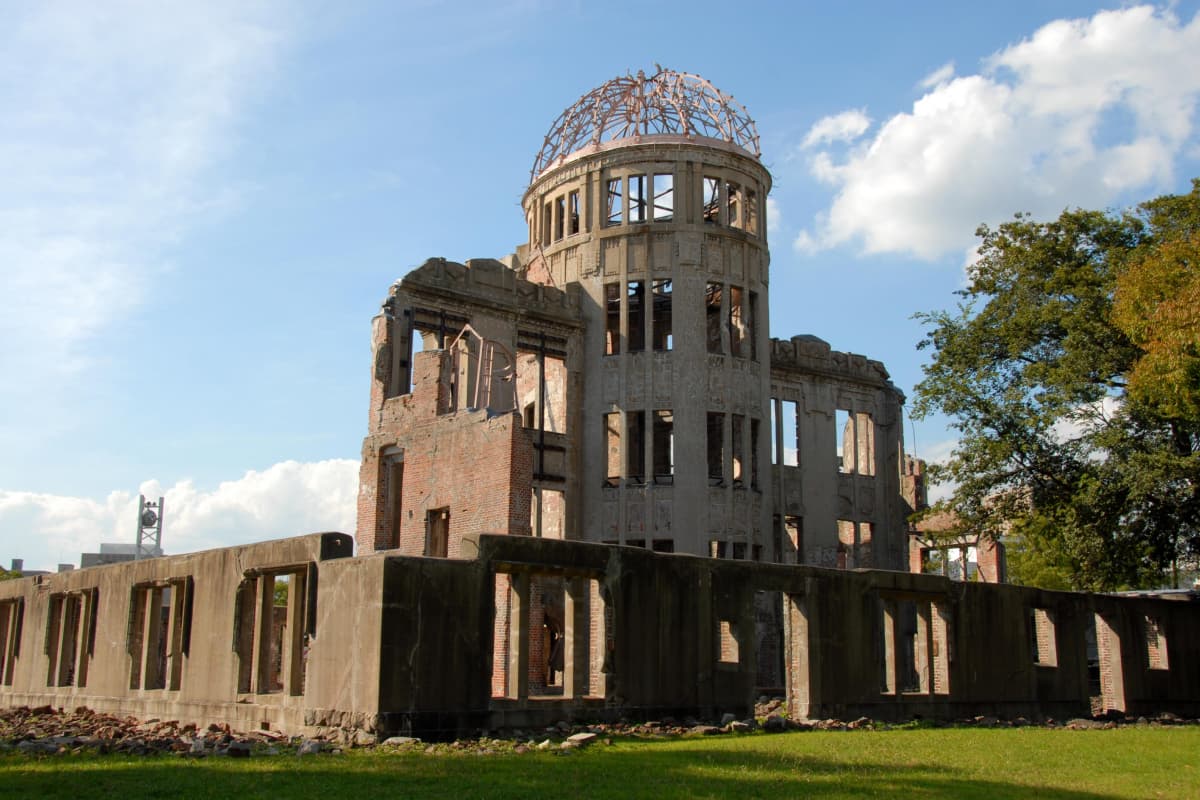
630,337
598,489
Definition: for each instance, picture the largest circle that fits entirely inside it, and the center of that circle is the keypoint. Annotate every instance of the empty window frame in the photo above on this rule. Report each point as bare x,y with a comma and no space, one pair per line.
739,551
635,296
661,310
718,548
12,618
751,321
752,216
612,319
614,202
612,440
738,437
710,200
392,472
547,222
573,213
274,620
856,446
792,540
664,446
915,653
1156,643
727,642
1043,644
716,449
637,198
784,441
712,315
158,633
560,213
738,324
635,446
753,453
437,532
664,197
70,637
733,205
663,545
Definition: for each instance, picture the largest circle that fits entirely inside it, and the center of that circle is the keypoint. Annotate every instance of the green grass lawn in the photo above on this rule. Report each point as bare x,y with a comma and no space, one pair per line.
967,762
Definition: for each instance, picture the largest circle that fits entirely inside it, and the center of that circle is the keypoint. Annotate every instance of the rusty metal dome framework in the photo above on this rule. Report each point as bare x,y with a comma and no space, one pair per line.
629,107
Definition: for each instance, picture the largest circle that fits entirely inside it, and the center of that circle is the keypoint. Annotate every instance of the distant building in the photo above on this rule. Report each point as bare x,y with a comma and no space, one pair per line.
114,553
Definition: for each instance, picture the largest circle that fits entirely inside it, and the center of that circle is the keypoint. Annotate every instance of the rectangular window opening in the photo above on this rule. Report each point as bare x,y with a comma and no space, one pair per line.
716,449
752,212
712,302
547,223
661,292
711,201
1043,646
727,642
717,548
437,536
783,434
751,322
12,613
612,319
664,446
663,545
733,204
560,213
614,202
573,213
612,438
635,449
1156,644
636,298
664,197
737,323
843,422
637,198
753,456
738,423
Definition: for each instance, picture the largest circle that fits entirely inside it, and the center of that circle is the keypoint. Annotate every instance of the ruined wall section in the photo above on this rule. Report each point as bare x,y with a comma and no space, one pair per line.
853,512
434,466
666,223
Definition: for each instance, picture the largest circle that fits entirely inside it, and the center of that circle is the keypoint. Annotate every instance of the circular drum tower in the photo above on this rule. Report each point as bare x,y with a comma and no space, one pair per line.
649,192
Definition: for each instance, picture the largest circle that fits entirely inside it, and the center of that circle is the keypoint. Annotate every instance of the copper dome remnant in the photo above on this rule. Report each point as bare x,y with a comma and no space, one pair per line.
631,107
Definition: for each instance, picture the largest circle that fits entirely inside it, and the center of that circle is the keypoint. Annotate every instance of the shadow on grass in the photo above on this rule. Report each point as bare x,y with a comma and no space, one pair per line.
598,773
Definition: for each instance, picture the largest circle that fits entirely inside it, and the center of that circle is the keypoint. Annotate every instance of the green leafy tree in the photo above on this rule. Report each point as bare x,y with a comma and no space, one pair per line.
6,574
1098,484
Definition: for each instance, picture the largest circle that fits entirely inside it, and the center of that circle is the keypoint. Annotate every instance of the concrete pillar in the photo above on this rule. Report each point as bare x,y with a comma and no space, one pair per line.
518,637
575,639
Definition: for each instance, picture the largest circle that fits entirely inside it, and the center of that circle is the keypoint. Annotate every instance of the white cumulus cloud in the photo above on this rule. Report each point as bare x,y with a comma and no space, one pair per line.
287,499
844,127
1074,115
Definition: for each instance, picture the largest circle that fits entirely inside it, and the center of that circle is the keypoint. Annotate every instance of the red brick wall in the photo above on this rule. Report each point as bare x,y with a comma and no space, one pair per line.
477,465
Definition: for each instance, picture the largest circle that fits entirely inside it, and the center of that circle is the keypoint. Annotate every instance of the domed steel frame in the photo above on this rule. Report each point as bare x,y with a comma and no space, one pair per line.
629,107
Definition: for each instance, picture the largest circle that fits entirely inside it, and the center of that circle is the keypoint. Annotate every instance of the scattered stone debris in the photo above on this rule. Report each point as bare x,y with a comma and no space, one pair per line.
45,731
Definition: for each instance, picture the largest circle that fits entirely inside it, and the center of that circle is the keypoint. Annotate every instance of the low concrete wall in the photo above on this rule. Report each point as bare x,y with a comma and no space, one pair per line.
437,647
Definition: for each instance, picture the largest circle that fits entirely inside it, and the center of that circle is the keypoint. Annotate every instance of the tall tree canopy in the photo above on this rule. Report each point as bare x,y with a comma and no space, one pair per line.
1071,371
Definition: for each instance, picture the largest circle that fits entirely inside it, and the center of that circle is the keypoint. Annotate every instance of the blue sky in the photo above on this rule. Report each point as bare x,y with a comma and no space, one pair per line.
202,205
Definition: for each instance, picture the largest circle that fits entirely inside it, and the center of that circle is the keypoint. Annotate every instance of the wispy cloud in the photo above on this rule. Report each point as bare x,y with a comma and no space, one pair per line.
844,127
113,112
287,499
1031,132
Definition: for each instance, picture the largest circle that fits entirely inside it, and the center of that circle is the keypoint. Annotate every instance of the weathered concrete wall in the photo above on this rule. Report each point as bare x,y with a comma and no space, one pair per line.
409,644
864,496
107,657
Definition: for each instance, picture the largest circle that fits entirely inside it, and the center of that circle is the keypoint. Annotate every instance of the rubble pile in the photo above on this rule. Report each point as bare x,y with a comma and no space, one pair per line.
47,731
